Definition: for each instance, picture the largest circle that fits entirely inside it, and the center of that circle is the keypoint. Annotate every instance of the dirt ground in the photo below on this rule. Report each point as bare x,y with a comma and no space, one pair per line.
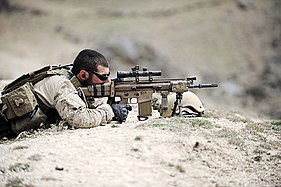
215,150
236,143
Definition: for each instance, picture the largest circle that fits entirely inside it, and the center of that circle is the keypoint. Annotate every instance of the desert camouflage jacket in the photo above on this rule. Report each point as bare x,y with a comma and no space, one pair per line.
59,93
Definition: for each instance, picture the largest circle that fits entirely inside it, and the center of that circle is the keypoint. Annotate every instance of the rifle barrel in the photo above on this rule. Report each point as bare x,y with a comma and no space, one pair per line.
203,86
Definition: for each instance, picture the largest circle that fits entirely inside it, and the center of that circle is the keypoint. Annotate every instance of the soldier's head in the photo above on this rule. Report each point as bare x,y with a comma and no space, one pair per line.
91,67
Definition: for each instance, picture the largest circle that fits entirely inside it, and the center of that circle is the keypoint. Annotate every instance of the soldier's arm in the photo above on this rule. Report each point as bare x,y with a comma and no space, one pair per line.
63,96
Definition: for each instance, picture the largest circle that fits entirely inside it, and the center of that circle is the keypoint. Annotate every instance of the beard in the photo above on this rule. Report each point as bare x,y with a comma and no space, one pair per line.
86,82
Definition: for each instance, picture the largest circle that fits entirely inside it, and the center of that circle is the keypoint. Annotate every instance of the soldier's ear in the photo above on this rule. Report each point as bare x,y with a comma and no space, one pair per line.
83,75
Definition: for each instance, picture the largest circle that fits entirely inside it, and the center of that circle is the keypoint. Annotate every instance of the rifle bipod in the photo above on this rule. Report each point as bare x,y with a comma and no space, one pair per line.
188,112
178,102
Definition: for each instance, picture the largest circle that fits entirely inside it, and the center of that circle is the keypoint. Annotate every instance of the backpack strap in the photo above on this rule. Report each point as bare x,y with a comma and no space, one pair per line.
32,77
38,75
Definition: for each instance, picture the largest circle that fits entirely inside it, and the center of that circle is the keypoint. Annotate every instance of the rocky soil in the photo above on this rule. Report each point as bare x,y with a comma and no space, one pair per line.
219,149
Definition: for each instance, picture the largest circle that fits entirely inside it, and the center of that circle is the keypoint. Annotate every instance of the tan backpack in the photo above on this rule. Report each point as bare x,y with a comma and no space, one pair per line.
20,106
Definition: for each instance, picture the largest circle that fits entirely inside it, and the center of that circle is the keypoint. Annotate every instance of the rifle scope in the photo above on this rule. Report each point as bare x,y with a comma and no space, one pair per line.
134,74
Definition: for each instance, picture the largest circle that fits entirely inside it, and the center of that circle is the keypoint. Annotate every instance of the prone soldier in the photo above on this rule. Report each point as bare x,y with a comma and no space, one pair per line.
50,94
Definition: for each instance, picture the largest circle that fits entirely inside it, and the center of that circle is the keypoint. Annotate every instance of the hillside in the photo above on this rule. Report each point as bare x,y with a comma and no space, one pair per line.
220,149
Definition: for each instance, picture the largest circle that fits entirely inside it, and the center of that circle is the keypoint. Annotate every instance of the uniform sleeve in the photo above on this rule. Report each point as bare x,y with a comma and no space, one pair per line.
71,107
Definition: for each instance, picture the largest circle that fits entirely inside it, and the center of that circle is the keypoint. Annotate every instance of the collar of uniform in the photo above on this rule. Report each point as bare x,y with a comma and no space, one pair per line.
75,82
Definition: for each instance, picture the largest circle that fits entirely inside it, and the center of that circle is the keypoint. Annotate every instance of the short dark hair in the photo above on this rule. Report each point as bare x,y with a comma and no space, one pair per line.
88,60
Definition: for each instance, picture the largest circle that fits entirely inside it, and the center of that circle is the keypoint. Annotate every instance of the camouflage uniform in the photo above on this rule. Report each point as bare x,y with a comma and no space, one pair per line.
59,93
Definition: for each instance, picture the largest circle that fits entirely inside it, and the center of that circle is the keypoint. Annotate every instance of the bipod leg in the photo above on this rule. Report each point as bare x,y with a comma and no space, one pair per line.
179,98
175,107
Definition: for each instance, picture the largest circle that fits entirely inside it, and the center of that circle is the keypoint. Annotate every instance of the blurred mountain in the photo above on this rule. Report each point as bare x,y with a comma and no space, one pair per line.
235,43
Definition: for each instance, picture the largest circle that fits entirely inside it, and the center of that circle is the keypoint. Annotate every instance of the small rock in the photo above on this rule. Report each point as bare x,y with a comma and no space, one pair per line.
173,174
59,168
196,145
2,169
257,158
244,4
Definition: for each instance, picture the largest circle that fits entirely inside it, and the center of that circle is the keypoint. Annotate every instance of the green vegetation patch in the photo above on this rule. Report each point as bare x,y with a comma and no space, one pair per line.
232,136
135,149
270,145
255,127
17,167
275,158
15,182
196,122
164,124
48,129
138,138
235,117
20,147
276,125
179,168
263,126
210,113
178,123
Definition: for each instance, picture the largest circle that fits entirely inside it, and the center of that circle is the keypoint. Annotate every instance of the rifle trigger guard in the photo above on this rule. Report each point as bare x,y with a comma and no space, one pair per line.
142,118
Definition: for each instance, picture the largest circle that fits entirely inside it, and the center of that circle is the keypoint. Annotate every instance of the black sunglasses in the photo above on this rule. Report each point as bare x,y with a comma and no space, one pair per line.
102,77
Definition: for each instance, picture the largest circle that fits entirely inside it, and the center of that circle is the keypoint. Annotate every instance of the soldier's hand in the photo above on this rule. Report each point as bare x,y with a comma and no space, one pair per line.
120,111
